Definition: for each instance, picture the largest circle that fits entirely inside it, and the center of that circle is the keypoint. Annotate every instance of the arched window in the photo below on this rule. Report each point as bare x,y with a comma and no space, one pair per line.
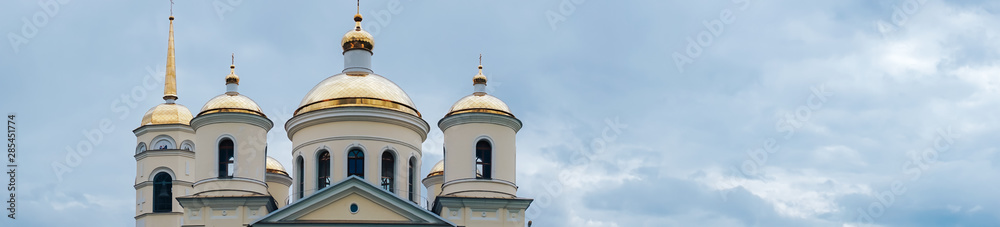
356,163
187,145
412,177
140,148
484,156
300,169
162,194
323,170
388,171
226,158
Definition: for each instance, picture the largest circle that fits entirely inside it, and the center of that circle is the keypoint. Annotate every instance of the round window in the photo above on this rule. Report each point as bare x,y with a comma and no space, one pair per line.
354,208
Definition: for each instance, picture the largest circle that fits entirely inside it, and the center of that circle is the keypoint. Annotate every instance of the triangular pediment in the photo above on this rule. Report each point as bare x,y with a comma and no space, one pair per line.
351,201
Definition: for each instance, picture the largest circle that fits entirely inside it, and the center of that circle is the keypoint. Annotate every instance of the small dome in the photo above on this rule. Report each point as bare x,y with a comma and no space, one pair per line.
357,38
477,103
232,77
272,165
167,113
479,78
437,170
231,103
369,90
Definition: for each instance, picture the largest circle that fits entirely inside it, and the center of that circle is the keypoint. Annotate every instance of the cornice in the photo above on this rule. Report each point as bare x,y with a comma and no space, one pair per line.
357,113
162,128
231,117
486,118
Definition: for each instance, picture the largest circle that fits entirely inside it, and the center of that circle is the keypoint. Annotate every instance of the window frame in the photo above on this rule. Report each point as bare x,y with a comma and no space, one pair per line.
320,183
158,186
486,165
220,164
392,169
350,161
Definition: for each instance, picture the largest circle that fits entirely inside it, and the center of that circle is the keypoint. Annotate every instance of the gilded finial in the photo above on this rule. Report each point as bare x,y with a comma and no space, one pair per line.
232,78
479,78
357,38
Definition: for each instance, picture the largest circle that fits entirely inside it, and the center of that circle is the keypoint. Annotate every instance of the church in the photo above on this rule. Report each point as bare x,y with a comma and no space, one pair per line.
356,156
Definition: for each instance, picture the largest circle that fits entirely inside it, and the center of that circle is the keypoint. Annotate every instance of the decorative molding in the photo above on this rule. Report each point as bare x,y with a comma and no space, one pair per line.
485,118
162,128
150,183
278,178
494,180
357,113
480,203
137,217
171,152
213,179
231,117
372,138
162,137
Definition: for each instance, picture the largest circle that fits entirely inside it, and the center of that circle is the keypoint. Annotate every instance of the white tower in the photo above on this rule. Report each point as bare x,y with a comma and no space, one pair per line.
479,186
164,154
231,188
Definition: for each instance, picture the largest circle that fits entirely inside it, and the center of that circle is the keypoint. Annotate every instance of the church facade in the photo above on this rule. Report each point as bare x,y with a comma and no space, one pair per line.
356,156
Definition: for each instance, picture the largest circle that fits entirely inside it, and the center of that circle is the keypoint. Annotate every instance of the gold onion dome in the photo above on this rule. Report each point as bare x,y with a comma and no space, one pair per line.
365,90
272,165
480,104
357,38
167,113
479,101
437,170
232,101
236,103
232,77
479,78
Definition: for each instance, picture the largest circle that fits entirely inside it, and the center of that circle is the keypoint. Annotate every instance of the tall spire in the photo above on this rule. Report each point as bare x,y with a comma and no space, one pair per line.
170,85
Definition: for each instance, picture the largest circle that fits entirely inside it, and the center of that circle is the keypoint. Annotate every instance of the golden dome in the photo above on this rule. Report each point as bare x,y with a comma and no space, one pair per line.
167,113
369,90
437,170
232,77
235,103
357,38
272,165
479,78
480,103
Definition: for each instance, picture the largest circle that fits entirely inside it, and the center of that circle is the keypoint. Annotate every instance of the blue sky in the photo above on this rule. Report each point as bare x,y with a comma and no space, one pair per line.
638,113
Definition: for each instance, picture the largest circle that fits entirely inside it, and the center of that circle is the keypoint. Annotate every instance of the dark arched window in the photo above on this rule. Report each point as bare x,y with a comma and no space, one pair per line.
162,195
356,163
226,159
412,177
300,168
388,171
323,170
484,156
